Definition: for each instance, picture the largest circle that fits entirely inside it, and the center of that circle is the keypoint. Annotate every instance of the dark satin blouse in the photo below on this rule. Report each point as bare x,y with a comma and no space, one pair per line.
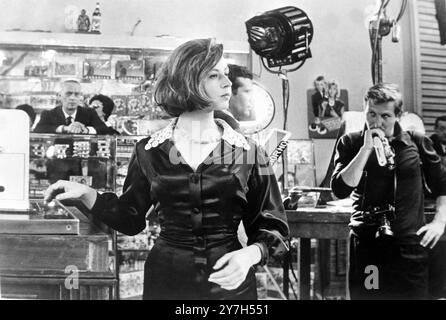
200,211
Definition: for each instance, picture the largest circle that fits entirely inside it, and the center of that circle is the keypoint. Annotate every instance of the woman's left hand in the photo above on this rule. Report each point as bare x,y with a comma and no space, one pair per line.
234,267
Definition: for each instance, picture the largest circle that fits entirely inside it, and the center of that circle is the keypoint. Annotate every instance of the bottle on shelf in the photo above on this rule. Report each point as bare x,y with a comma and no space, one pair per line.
96,20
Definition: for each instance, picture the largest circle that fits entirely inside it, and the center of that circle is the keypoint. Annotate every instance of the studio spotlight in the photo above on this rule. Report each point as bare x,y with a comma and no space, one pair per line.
281,36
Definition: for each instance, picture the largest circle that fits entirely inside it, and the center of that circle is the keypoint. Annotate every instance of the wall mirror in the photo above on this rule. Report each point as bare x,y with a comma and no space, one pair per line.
262,113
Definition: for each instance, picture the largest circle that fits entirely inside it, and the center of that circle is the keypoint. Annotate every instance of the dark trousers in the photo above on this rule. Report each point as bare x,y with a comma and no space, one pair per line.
437,271
400,271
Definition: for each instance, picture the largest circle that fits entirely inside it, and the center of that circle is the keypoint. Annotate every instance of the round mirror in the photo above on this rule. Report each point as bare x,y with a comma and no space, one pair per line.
262,113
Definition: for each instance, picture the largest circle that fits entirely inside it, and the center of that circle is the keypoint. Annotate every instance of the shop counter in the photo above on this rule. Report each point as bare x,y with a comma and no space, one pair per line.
57,266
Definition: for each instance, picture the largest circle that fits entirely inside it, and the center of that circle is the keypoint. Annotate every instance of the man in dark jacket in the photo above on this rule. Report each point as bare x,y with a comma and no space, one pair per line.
70,117
439,137
390,240
437,263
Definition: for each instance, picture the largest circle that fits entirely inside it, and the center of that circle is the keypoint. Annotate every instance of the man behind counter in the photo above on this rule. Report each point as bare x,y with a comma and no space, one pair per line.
70,117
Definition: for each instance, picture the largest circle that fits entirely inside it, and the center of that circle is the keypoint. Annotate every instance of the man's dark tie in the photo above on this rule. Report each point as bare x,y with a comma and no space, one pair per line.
69,120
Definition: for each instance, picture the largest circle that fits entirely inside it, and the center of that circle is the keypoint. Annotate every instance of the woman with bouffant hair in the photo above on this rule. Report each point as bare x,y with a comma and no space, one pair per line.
332,106
179,84
202,180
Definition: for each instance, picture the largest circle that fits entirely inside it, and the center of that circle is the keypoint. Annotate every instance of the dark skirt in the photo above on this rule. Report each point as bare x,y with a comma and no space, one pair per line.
172,273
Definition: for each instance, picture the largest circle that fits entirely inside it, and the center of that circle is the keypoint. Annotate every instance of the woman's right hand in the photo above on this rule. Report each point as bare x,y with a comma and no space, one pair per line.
64,190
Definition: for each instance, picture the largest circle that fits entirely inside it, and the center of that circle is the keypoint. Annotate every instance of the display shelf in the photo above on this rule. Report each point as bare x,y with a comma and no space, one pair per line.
27,78
34,64
76,42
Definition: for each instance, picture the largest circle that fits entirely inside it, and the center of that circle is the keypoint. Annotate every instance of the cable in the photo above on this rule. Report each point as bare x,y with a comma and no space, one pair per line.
261,69
402,10
266,67
298,66
375,42
275,284
285,97
295,278
290,267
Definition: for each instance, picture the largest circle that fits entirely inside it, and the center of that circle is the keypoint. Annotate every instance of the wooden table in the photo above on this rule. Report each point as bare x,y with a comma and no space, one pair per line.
314,223
36,266
318,223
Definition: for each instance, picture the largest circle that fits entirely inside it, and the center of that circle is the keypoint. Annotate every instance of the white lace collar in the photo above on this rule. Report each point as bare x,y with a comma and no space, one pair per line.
229,135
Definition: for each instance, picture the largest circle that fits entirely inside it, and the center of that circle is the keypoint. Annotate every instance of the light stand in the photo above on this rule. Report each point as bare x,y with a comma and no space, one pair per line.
282,37
285,99
380,27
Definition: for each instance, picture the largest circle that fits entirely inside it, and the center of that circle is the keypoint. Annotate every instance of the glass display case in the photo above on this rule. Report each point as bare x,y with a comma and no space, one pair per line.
100,162
33,66
124,149
85,159
132,251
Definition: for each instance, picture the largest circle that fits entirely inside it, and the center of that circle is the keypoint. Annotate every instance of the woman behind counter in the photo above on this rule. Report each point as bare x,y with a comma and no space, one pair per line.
104,105
203,178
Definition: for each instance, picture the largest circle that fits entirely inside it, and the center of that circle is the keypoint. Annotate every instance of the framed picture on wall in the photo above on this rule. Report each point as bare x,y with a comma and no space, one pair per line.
120,104
134,105
36,67
301,163
129,70
326,103
97,69
66,67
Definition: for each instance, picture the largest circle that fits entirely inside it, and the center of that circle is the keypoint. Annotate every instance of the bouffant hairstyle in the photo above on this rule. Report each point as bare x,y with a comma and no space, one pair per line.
334,83
179,83
107,104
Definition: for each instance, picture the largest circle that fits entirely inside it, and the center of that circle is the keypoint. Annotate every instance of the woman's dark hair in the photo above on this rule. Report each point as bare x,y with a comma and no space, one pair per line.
178,86
29,110
107,103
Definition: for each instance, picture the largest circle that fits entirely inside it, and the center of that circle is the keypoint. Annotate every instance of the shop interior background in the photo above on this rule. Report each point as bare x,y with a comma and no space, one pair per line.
340,45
